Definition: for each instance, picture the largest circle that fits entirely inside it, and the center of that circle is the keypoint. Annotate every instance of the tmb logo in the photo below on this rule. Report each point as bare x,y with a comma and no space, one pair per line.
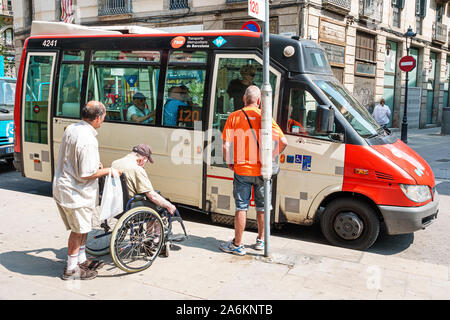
178,42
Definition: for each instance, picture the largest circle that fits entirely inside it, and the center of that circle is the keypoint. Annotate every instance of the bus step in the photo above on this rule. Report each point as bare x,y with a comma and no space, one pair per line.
229,220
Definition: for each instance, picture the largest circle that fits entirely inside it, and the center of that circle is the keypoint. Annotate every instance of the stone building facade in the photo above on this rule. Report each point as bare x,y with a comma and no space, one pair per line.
364,38
7,56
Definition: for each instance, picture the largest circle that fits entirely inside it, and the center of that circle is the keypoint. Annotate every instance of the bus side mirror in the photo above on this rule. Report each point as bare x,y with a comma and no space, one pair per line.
324,119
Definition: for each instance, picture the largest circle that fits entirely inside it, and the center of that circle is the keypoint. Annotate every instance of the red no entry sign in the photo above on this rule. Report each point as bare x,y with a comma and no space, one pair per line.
407,63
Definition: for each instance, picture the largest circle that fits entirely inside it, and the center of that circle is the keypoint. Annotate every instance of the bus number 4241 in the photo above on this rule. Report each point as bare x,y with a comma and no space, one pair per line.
49,43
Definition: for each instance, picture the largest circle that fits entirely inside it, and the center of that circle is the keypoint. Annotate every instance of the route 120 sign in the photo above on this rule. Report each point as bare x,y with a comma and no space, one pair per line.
257,9
407,63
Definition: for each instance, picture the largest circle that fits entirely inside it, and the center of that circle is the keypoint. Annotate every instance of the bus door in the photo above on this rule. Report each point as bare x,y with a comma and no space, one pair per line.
37,92
312,165
229,69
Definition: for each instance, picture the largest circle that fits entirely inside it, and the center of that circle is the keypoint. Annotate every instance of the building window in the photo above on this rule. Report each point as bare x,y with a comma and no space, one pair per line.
421,8
113,7
419,25
365,54
397,6
7,6
7,37
178,4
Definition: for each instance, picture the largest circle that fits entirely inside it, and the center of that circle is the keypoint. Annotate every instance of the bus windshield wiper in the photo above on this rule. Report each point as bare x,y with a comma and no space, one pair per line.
379,132
4,110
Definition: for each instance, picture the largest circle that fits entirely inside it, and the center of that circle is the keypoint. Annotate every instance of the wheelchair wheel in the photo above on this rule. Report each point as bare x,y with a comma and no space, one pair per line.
99,239
137,239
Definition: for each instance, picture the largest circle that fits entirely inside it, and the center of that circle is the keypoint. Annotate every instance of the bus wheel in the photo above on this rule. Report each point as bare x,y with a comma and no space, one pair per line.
350,223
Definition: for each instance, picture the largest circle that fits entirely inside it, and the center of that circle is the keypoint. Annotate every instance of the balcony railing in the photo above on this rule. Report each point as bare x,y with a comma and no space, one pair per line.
439,33
340,6
113,7
178,4
371,10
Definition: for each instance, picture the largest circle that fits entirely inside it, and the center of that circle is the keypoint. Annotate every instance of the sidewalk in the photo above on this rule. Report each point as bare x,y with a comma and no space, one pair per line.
33,253
34,247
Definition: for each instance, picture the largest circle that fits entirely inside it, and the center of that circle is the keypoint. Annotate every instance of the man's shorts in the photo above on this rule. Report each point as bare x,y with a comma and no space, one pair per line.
78,220
242,192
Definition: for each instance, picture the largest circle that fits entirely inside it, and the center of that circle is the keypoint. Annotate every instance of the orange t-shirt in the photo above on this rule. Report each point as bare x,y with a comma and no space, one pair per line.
245,149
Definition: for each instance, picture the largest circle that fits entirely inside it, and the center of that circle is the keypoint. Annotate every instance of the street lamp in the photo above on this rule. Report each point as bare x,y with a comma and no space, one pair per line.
404,134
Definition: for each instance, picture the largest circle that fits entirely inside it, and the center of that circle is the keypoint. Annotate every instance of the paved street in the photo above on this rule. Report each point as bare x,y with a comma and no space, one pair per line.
303,266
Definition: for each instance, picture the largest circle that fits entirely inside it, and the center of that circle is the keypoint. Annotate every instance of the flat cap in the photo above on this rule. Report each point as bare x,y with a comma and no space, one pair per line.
138,95
144,150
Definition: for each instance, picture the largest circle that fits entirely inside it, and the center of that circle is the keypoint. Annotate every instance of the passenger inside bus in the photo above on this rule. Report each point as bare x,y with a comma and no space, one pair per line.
237,87
175,100
138,112
295,122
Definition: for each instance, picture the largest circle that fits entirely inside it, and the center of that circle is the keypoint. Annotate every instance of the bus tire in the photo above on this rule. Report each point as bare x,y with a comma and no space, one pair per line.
350,223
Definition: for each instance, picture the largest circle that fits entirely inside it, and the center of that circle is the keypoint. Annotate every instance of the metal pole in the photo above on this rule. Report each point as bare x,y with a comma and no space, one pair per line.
404,133
266,136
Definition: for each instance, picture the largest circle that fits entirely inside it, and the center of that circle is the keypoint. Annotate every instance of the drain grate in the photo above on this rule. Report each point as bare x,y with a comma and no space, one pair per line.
443,160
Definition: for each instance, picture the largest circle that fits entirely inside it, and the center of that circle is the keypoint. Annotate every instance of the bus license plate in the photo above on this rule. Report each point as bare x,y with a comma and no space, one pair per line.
6,150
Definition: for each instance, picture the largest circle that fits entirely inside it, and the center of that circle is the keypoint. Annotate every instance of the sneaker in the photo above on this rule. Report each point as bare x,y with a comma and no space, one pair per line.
259,245
93,264
79,273
230,247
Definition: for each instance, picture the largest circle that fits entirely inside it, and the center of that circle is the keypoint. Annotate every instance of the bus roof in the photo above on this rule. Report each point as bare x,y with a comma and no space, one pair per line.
307,57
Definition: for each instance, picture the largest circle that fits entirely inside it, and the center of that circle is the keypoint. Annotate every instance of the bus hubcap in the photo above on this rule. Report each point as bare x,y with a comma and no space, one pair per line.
348,225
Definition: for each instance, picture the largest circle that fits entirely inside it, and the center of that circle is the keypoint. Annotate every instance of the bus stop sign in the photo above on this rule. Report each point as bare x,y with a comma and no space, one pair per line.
407,63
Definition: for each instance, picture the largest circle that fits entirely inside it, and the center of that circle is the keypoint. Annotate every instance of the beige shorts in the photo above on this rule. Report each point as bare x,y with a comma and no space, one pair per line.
78,220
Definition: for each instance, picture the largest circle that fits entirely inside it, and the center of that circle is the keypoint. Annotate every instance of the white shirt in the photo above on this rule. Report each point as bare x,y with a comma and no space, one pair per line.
381,114
78,157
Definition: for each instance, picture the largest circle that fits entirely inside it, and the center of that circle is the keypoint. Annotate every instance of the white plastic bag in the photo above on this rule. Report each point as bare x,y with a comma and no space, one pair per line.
112,199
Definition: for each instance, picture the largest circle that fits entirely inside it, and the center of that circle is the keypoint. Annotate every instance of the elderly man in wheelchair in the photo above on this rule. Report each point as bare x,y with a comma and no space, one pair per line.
144,228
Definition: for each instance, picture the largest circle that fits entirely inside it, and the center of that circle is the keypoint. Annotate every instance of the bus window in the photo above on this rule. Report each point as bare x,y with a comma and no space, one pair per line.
184,88
131,55
302,114
234,75
36,98
69,88
116,83
233,78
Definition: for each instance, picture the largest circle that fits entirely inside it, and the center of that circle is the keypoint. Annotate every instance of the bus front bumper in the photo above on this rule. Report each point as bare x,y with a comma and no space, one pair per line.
400,220
7,151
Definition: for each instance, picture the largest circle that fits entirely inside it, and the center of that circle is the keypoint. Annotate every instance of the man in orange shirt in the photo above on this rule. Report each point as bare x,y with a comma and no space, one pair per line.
246,165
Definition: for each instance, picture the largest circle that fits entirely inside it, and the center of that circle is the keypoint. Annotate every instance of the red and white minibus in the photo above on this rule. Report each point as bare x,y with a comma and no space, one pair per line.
340,169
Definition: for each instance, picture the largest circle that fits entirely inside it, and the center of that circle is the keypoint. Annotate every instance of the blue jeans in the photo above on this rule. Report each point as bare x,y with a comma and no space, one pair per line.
242,192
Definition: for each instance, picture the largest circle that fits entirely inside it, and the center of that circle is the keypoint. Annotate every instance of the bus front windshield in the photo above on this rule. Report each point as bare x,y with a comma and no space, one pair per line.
357,115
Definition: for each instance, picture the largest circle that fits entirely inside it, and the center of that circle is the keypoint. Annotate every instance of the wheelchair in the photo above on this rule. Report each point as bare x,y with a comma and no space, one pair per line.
138,235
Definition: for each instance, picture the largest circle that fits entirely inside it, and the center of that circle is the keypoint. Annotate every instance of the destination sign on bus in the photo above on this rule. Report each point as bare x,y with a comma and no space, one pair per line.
257,9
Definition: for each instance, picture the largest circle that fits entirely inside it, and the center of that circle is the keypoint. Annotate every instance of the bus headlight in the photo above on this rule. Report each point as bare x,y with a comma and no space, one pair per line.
416,193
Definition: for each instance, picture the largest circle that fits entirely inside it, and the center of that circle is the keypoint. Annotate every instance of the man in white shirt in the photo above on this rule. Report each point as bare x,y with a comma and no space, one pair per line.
75,187
382,113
